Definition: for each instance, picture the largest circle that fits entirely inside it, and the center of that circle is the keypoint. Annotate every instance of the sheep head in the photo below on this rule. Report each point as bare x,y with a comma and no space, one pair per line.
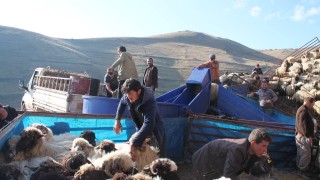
116,162
73,161
29,138
260,166
89,136
47,132
88,172
106,146
162,167
80,144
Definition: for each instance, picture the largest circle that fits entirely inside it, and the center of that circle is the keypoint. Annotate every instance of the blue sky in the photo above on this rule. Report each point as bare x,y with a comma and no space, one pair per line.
258,24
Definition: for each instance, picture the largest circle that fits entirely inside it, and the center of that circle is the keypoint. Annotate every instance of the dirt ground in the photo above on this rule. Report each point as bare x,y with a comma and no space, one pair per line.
185,173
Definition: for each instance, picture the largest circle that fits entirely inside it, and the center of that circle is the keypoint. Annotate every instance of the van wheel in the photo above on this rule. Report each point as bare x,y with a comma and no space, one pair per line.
23,107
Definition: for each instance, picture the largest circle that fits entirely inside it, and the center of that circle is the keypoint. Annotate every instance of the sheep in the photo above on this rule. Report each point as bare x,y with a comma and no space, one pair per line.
47,132
89,136
61,139
291,59
9,149
88,172
32,144
280,71
73,161
138,176
316,107
10,172
113,162
145,154
260,167
165,168
49,169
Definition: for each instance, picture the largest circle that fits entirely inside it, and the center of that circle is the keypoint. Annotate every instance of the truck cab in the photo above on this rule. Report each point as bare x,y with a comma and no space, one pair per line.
27,99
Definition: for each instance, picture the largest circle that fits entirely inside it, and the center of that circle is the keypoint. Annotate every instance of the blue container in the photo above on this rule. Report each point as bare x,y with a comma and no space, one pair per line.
100,105
199,76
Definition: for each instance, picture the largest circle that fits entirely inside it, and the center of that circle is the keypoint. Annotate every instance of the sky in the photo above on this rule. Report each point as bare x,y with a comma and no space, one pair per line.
258,24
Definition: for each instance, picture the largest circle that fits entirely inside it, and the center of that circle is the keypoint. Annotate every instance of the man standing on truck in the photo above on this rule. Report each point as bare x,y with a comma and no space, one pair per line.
126,68
213,65
143,110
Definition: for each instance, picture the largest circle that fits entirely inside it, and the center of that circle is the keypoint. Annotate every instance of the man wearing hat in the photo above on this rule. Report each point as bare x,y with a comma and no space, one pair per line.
111,80
257,69
213,65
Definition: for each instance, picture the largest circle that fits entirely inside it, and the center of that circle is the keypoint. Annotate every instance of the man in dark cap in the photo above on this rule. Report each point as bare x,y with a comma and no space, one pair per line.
257,69
213,65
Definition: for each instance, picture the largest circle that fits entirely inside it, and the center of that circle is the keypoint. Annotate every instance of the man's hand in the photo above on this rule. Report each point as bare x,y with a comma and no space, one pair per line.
310,140
134,152
114,93
117,127
250,94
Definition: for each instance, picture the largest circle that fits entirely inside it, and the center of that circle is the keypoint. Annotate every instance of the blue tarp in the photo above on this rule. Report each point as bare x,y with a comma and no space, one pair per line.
244,108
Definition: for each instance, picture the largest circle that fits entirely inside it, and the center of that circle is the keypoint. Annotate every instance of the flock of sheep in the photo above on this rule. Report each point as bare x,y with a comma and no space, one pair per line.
38,154
296,78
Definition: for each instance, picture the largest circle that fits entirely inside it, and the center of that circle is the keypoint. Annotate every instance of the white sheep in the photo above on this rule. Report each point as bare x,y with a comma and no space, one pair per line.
316,107
64,139
88,171
33,144
92,153
113,162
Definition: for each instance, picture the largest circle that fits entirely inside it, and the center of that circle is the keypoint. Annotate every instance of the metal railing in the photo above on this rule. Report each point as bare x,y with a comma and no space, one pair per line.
307,47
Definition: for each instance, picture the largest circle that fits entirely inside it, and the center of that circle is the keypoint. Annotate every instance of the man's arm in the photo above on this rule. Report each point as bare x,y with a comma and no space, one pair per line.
274,96
117,127
149,115
155,76
205,64
233,164
118,61
108,87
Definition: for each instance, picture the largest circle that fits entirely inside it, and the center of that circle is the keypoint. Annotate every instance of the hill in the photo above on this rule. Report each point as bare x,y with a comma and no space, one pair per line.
175,55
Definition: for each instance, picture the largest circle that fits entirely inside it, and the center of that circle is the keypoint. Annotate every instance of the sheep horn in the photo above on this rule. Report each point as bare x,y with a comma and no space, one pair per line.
153,171
68,165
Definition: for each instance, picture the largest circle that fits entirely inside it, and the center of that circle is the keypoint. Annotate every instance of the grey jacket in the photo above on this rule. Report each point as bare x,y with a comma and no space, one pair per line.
221,157
127,68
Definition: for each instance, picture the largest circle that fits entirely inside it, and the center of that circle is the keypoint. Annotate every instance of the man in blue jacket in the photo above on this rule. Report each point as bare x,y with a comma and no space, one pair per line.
144,113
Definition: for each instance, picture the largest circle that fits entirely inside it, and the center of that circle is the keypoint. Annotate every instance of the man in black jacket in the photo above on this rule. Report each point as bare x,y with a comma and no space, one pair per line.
150,78
7,114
